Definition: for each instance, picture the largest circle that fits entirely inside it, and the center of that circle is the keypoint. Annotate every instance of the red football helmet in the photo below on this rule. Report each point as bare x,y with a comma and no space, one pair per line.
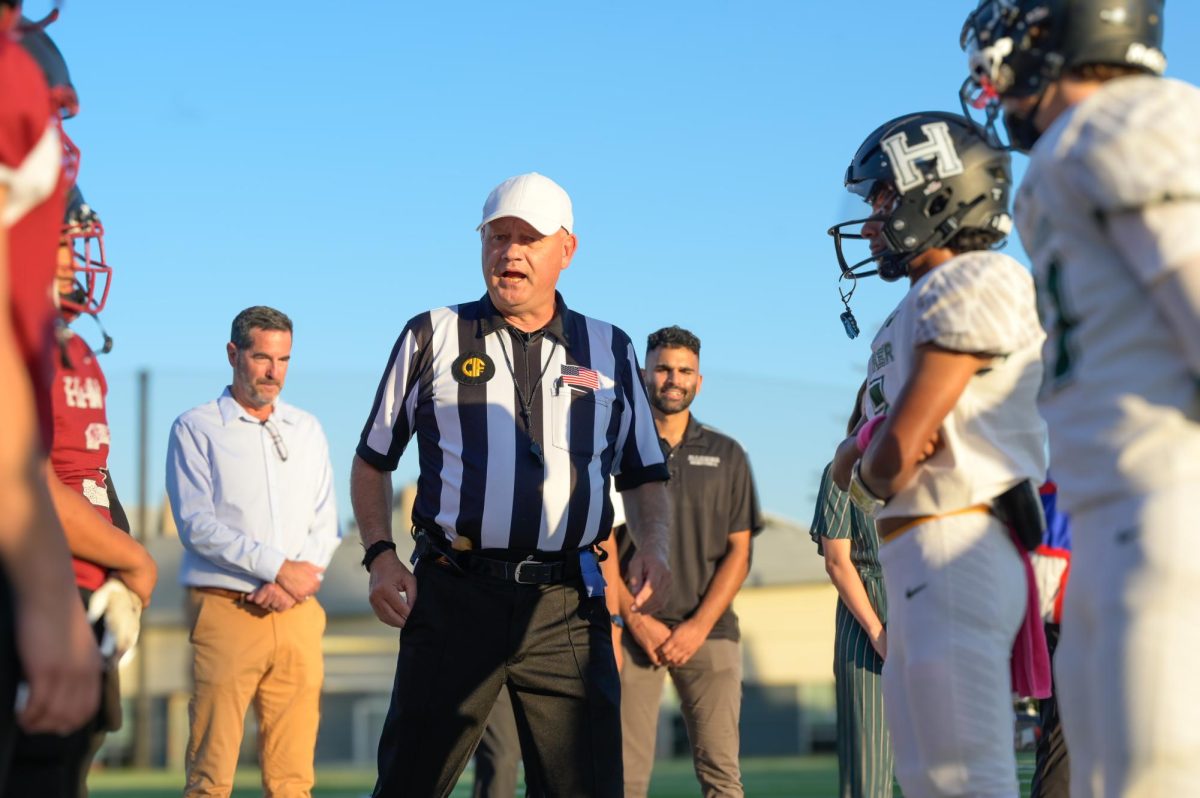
84,234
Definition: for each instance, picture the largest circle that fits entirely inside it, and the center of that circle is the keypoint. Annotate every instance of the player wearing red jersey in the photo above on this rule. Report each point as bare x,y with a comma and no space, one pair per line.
95,524
44,637
114,573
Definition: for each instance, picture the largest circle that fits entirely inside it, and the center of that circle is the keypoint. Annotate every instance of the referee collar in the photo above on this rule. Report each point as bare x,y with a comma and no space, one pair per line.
490,320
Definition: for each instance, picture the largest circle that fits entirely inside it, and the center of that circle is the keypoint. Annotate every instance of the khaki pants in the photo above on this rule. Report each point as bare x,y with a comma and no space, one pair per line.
245,654
710,696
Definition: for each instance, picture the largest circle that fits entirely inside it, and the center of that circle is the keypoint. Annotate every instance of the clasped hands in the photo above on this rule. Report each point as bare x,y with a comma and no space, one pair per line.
295,582
664,645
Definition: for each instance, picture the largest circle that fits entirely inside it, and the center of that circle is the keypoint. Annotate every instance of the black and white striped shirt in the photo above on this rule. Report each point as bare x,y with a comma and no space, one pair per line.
458,379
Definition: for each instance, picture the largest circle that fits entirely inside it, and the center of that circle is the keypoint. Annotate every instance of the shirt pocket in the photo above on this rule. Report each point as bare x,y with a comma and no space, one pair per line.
580,421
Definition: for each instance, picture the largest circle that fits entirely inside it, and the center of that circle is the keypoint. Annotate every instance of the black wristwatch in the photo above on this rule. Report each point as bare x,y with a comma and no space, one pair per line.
374,550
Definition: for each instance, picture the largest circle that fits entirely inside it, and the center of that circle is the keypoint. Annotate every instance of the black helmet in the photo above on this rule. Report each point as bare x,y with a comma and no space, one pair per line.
45,52
1016,47
948,180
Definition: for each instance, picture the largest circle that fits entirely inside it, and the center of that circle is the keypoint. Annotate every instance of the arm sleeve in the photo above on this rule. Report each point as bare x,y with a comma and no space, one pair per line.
31,153
746,513
190,490
393,414
638,458
326,532
831,518
20,119
978,303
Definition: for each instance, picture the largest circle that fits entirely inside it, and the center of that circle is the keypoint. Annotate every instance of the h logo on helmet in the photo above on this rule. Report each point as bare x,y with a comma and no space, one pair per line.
938,147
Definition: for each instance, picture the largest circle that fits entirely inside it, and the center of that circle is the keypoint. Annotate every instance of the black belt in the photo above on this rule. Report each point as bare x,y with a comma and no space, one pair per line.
527,571
524,572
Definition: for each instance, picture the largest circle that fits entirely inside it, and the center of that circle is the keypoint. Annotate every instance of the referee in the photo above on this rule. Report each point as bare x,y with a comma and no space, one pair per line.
846,538
522,410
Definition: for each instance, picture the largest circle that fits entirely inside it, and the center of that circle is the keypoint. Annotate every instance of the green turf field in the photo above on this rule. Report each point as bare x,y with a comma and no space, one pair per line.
785,777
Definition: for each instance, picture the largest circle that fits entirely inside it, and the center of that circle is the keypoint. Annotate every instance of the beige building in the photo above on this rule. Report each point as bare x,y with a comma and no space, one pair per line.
786,611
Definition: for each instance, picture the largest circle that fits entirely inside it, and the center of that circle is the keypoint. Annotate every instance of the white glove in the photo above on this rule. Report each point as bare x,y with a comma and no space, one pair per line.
122,612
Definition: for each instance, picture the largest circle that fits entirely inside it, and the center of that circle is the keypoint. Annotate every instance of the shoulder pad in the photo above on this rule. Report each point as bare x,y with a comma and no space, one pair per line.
1136,145
979,303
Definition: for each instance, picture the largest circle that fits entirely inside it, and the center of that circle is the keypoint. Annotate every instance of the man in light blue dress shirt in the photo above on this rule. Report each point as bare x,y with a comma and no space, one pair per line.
251,489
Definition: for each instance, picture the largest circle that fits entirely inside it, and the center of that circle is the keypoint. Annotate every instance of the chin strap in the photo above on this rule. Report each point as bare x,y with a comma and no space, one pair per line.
107,346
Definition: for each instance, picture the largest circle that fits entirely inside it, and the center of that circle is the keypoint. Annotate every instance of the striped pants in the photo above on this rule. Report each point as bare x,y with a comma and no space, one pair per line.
865,756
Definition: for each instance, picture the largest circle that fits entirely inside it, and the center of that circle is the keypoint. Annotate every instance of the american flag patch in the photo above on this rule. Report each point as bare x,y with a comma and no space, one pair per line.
581,377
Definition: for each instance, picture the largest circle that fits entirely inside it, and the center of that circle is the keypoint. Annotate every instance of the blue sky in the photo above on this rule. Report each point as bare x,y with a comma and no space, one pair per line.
332,161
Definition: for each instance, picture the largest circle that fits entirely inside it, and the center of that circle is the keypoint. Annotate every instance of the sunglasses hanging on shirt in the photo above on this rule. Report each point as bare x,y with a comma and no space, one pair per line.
276,438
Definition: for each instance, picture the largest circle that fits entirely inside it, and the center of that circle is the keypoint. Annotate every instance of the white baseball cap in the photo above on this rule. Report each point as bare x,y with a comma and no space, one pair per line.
535,198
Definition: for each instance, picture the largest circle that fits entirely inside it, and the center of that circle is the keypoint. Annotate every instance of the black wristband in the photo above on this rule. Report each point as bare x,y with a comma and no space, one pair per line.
374,550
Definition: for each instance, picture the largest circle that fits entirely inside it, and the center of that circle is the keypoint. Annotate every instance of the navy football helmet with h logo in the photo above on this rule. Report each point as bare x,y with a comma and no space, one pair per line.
944,179
947,179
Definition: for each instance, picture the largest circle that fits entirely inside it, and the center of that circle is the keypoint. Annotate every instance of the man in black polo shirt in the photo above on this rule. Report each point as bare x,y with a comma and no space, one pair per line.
522,410
695,636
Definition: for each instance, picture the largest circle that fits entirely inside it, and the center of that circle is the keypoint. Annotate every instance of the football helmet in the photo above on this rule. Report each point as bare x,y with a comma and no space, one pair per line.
947,179
83,232
1015,48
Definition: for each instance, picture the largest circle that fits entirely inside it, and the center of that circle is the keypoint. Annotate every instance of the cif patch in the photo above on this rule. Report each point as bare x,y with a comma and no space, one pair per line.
473,368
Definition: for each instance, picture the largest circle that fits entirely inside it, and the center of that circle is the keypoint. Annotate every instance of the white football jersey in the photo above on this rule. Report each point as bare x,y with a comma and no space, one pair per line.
1121,403
979,303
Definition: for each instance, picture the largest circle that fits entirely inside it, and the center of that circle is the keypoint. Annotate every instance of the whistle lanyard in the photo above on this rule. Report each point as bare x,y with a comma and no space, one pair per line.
526,402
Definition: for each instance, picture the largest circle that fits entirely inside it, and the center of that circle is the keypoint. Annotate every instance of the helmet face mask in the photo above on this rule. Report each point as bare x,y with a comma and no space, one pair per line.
1016,48
83,234
944,177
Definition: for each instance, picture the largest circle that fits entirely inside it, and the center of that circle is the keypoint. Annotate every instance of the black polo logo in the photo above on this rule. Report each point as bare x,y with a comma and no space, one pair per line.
473,368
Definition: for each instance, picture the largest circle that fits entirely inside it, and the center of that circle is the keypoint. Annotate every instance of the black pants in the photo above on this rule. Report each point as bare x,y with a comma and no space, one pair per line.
1052,774
10,675
46,765
469,636
498,757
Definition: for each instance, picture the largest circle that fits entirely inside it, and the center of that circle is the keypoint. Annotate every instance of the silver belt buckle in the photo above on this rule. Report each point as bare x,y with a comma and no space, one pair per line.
517,574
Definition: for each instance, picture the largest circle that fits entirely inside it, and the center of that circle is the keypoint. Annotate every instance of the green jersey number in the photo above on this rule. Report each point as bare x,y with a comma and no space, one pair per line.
875,394
1065,323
